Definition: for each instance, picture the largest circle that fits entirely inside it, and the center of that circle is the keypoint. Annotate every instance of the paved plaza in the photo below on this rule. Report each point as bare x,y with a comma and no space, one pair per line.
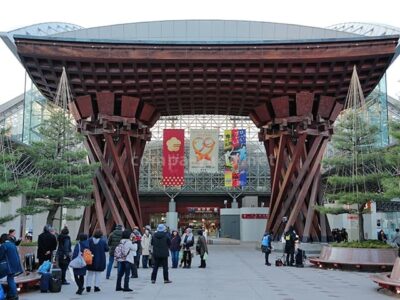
234,272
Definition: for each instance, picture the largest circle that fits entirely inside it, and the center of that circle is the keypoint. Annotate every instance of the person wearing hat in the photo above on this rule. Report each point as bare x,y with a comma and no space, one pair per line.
161,243
113,241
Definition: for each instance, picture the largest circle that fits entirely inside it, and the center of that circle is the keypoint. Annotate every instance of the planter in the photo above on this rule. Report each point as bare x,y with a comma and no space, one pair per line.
365,259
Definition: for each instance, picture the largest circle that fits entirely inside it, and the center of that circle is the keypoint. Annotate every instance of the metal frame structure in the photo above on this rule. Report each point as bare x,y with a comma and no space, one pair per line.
204,183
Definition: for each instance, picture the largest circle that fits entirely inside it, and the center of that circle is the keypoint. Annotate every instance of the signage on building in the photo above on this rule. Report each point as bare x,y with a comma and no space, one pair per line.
173,164
203,156
255,216
352,217
235,154
203,209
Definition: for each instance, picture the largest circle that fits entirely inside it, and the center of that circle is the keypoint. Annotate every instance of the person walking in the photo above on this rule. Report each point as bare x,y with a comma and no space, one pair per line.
9,253
187,243
161,243
266,246
201,248
98,247
146,244
64,253
113,241
175,248
79,273
290,239
125,256
47,243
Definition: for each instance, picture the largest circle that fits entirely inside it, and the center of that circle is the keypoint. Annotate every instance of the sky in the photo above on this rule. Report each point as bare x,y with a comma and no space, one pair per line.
92,13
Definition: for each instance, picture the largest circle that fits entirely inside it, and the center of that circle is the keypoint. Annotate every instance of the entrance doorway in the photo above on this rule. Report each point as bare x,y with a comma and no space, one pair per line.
206,218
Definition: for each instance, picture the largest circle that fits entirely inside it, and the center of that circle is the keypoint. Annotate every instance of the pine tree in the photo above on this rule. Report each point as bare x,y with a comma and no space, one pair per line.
391,184
12,181
355,169
63,175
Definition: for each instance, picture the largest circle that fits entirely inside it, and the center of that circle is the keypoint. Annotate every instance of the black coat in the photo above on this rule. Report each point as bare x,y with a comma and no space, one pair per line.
175,243
161,244
46,242
64,250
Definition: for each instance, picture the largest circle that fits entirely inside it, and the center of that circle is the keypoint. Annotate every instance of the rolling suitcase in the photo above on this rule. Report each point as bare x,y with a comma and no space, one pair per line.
56,273
29,262
45,282
55,285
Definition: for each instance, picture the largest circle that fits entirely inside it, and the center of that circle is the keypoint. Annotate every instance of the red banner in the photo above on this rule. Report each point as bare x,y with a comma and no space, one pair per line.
173,157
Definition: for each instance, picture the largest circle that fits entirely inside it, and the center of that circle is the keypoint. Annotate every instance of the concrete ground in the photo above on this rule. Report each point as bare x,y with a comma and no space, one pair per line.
234,272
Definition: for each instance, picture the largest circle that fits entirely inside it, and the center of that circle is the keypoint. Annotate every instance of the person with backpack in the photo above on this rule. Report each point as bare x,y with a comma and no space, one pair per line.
125,254
266,246
81,248
113,241
64,253
161,244
9,254
290,239
98,247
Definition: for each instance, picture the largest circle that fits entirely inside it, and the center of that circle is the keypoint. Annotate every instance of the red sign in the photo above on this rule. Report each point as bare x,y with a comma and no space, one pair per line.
352,217
255,216
173,157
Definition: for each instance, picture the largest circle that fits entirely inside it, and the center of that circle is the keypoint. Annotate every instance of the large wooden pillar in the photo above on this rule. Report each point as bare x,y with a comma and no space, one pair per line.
295,133
116,132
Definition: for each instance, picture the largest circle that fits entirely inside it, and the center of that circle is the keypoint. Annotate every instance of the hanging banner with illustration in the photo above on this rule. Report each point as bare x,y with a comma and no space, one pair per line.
203,156
173,165
235,154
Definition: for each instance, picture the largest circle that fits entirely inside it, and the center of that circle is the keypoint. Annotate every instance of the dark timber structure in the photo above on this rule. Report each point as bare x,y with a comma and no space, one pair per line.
292,90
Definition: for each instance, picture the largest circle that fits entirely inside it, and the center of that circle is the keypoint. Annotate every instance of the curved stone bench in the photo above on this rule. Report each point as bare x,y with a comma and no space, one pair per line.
390,281
355,258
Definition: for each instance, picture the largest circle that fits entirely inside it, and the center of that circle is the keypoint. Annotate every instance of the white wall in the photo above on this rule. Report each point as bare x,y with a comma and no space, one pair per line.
252,230
10,208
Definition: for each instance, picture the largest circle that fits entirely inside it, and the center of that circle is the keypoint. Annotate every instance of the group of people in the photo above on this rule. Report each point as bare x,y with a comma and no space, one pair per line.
340,235
289,239
125,247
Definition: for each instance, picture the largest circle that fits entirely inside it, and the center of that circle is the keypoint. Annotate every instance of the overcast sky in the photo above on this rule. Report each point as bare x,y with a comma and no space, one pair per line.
90,13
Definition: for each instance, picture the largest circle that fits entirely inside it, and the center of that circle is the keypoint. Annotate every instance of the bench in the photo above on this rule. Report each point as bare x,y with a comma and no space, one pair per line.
25,280
390,281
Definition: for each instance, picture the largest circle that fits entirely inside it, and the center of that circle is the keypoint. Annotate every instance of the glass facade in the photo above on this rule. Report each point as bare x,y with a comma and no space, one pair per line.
205,183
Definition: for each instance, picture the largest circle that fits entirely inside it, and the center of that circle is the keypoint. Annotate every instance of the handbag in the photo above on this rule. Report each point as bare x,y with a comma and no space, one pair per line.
205,256
44,267
78,262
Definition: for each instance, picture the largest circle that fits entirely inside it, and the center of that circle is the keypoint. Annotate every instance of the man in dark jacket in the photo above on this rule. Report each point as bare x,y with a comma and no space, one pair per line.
47,243
161,243
113,242
64,253
290,239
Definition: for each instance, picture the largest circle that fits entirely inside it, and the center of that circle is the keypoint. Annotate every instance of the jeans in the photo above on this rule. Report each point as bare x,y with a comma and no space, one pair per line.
110,265
175,258
137,260
290,258
134,271
63,264
124,268
158,262
12,287
267,257
145,260
89,278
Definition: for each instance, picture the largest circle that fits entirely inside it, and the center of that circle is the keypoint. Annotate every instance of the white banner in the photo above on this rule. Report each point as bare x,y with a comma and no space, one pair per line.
203,156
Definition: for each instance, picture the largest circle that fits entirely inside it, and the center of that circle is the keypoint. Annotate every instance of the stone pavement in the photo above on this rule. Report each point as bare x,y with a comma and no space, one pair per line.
234,272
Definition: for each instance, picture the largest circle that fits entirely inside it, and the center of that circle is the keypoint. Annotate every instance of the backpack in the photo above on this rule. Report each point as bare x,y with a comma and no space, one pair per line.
87,256
120,252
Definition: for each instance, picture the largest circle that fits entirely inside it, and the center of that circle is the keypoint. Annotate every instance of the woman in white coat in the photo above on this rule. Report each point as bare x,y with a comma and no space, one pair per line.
146,244
125,254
